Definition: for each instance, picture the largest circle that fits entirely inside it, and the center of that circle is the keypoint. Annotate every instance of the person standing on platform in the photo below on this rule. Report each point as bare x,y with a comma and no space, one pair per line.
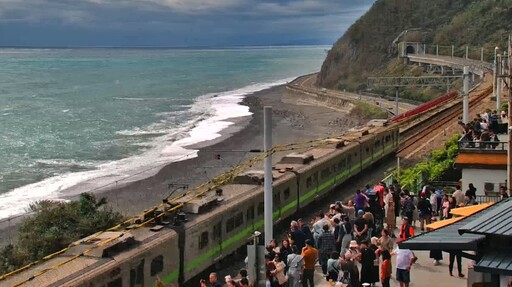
310,254
385,268
424,211
459,196
295,264
345,234
360,227
296,235
455,254
326,245
405,258
390,212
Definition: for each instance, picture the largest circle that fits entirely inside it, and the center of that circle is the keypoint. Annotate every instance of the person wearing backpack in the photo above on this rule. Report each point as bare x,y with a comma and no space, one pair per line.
407,204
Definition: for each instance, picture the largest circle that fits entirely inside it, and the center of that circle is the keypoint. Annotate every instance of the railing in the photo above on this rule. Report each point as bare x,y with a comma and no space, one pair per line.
487,198
467,52
487,146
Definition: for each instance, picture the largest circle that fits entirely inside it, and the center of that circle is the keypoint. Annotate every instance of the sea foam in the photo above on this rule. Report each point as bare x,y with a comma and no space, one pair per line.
209,116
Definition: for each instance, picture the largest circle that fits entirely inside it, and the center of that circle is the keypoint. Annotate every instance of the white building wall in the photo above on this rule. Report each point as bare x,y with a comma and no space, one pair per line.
481,176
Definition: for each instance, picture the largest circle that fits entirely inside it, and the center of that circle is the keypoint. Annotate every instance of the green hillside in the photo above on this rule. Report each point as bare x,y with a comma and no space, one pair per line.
366,48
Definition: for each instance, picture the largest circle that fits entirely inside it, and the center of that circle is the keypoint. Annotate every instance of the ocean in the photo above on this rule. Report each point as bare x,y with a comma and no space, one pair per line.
103,115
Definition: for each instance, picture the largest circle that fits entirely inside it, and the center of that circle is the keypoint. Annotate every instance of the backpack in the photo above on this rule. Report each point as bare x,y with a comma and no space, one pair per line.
408,204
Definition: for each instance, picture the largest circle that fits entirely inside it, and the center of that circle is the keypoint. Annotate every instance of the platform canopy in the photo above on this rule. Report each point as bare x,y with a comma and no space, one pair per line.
446,235
496,261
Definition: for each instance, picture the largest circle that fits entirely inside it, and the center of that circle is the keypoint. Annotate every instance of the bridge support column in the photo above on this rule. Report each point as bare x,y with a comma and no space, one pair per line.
397,111
465,96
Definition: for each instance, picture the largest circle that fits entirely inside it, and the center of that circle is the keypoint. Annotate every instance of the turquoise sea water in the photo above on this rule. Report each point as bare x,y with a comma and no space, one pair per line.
72,115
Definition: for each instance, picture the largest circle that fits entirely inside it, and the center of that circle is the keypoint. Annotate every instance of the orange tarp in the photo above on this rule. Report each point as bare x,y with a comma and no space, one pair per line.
442,223
492,159
461,213
468,210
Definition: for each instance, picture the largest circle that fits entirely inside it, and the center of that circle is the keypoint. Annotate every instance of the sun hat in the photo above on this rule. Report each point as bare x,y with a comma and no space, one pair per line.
353,243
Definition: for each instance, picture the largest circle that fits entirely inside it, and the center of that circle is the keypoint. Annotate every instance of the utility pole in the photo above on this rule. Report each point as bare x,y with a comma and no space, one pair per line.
267,182
499,66
494,76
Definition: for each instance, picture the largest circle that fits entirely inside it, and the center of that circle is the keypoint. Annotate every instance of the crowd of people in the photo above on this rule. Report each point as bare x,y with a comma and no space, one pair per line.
482,131
353,242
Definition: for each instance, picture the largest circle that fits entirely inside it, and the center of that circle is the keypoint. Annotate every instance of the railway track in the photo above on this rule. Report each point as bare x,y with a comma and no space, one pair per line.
419,136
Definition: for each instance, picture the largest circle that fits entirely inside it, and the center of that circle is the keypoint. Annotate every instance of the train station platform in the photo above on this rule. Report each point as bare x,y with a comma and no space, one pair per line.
423,273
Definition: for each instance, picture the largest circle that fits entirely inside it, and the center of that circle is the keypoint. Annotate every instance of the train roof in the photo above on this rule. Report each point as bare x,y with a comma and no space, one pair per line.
77,260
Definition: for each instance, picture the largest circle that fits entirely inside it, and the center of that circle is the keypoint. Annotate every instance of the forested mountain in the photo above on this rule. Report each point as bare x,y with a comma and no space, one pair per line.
366,48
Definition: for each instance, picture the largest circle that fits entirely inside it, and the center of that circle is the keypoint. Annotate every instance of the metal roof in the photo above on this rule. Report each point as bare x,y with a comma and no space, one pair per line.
449,237
494,222
444,238
496,261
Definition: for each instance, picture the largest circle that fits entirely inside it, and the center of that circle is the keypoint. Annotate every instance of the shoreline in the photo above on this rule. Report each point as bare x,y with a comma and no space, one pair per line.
292,121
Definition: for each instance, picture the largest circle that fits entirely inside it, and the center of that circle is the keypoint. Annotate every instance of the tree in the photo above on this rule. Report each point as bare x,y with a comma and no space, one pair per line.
54,226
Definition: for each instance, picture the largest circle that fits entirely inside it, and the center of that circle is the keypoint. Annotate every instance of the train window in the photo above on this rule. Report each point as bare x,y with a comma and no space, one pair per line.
377,143
309,182
217,230
239,219
261,208
277,199
250,213
116,283
137,274
286,193
325,173
140,273
367,150
230,224
203,242
342,164
349,159
157,264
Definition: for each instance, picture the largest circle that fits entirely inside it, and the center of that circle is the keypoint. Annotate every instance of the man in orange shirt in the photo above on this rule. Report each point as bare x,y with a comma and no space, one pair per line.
310,254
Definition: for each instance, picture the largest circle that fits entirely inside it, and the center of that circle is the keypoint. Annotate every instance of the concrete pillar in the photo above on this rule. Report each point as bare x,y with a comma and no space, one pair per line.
465,96
268,196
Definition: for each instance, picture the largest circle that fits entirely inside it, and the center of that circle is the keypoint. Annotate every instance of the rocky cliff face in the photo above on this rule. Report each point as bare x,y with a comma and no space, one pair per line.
367,45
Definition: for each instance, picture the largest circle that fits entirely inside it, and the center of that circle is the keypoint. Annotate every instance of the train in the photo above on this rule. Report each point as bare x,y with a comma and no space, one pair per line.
179,245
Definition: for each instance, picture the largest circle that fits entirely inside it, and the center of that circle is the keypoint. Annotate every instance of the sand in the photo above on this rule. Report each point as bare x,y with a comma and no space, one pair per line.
292,122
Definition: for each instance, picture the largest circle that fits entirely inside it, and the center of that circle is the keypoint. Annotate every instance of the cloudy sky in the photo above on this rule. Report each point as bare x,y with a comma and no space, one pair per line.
175,22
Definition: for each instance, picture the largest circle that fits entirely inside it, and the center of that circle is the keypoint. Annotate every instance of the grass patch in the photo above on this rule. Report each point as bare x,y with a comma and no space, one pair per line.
367,112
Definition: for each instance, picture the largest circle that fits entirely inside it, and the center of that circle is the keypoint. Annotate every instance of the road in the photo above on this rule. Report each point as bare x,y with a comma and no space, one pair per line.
307,83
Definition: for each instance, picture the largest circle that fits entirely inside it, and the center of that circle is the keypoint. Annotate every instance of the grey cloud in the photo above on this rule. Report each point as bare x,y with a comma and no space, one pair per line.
178,22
